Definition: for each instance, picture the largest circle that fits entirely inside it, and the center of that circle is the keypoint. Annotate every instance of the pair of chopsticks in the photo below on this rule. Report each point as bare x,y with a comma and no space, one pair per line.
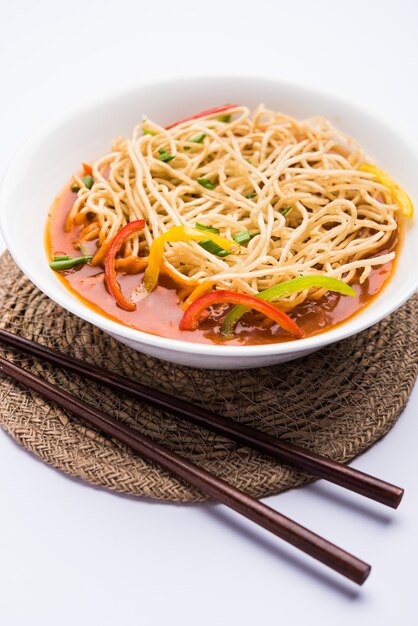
216,488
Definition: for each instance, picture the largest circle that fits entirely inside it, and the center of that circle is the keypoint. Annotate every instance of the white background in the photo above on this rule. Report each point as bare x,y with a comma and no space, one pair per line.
71,554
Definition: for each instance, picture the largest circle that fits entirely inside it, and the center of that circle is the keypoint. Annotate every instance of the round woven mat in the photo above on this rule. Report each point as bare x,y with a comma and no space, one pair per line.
338,401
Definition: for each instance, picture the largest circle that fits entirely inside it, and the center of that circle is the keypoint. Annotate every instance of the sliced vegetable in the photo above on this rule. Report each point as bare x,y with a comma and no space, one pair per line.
398,193
285,210
198,291
285,289
190,319
75,188
176,233
207,113
206,183
213,248
67,263
165,156
131,264
145,131
87,169
110,270
242,237
198,138
224,118
88,181
208,229
63,257
252,195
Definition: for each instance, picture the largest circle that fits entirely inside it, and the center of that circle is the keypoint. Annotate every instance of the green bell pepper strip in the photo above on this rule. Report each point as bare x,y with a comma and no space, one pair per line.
285,289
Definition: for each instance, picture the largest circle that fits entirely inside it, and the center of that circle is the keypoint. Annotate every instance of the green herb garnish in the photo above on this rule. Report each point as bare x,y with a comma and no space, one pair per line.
252,195
224,118
286,210
88,181
165,156
198,138
206,183
213,248
59,263
209,229
145,131
243,236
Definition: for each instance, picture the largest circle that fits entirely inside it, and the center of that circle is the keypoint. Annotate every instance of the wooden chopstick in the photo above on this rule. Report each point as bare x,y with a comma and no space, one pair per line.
315,464
309,542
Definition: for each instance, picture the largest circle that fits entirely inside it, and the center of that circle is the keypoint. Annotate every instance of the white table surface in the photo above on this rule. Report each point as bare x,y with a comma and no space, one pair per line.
71,554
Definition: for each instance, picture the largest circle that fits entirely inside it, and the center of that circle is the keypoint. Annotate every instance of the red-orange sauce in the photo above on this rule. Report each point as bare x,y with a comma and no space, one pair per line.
160,312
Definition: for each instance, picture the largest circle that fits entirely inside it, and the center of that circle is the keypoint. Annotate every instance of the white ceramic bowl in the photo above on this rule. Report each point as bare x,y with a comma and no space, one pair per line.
45,163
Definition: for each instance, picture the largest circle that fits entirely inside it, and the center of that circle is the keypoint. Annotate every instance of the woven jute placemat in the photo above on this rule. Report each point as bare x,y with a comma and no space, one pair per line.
338,401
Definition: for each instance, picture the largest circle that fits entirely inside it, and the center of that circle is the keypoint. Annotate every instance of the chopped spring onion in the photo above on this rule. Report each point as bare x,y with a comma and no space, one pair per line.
68,263
206,183
251,195
145,131
243,236
213,248
286,210
88,181
208,229
165,156
198,138
224,118
64,257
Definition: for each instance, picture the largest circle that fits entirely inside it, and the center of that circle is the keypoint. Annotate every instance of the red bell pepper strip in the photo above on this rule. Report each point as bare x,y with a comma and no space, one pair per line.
190,319
110,270
214,111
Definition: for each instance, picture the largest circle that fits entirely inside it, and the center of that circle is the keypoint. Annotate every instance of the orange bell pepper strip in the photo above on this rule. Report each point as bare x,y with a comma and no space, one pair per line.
87,169
198,291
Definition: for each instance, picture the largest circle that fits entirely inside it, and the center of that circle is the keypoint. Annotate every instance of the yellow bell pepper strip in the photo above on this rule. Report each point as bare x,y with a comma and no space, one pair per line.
176,233
110,270
136,265
285,289
398,193
190,319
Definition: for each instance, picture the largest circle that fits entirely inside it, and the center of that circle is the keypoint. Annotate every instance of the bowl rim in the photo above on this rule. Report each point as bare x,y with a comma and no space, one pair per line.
118,330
